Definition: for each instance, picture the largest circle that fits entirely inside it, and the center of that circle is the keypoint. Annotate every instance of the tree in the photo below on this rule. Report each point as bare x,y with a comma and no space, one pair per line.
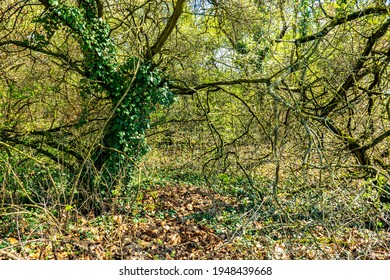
133,87
305,81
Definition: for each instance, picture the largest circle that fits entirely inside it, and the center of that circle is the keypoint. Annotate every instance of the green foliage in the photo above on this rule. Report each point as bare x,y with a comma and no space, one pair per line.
304,18
131,118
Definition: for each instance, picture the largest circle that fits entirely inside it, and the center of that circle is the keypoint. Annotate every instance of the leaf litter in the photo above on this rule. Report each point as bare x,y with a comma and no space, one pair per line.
187,222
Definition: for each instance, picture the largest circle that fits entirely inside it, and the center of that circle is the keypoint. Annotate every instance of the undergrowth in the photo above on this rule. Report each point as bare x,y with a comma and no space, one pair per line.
173,212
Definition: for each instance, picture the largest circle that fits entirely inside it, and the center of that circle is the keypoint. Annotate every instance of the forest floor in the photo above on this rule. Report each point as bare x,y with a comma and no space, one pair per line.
181,221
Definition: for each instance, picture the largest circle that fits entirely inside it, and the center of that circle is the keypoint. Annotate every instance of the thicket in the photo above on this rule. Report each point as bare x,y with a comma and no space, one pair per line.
281,105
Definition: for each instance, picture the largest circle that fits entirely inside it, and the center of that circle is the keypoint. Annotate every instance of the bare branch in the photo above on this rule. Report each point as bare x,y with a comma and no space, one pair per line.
45,3
61,56
350,81
100,7
156,48
376,141
338,21
190,91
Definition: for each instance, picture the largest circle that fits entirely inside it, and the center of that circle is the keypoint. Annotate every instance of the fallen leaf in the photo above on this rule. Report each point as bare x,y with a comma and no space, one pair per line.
12,240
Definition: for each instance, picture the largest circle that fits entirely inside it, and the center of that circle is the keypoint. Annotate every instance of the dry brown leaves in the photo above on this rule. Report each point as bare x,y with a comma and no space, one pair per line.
172,237
167,230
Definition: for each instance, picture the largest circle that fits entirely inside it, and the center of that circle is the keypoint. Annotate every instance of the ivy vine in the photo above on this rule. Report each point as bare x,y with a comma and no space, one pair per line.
124,134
